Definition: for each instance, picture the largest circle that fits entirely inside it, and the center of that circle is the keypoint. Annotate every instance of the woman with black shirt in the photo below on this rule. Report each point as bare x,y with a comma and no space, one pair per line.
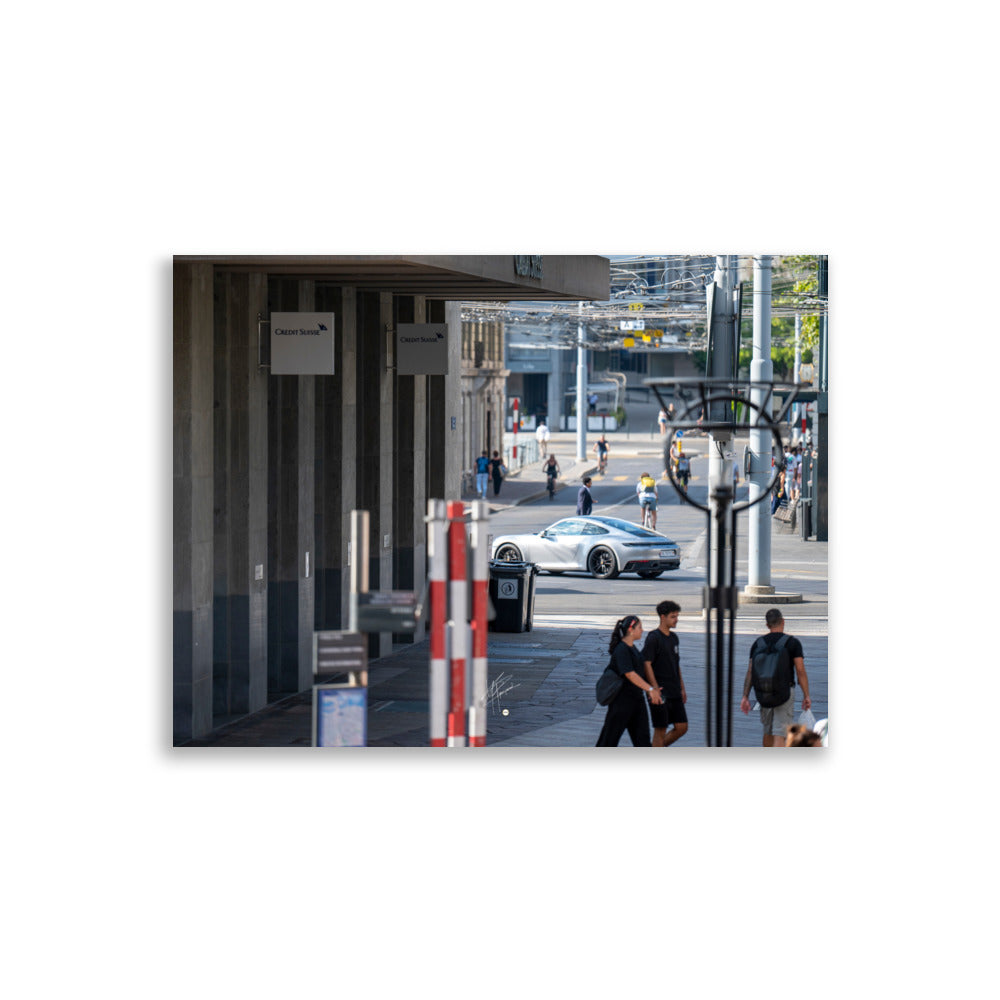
497,470
628,710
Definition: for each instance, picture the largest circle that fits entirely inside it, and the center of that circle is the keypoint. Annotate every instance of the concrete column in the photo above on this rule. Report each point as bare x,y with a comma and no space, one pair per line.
554,399
348,366
410,493
193,489
291,512
437,416
241,465
452,457
331,547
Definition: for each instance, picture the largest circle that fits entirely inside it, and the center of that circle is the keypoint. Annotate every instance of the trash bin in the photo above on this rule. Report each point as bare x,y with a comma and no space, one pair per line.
512,591
805,518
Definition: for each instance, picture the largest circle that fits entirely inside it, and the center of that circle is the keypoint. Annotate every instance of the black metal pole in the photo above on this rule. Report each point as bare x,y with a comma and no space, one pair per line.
708,642
732,620
720,624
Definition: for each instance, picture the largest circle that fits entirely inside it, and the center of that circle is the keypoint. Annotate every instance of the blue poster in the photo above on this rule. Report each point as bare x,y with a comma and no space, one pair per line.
341,713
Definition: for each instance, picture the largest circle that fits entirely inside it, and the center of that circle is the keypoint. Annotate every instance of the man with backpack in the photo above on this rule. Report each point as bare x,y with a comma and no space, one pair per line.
776,662
482,475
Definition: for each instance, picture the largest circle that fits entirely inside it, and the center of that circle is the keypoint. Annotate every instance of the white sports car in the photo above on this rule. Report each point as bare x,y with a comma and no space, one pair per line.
601,546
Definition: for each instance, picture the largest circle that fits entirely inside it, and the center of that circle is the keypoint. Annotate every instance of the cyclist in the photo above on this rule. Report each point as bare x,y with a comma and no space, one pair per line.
551,468
646,491
601,447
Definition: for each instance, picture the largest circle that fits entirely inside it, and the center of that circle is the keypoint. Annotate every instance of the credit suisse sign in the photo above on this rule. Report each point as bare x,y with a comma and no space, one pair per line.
528,266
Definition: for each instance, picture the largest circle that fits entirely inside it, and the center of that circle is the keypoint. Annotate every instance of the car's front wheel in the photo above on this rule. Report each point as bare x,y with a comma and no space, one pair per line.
508,553
602,563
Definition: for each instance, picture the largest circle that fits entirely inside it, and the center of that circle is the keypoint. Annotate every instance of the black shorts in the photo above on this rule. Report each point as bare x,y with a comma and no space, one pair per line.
668,714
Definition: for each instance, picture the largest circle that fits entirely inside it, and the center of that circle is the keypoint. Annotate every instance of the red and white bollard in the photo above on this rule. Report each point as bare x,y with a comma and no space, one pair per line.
458,601
480,599
517,421
437,552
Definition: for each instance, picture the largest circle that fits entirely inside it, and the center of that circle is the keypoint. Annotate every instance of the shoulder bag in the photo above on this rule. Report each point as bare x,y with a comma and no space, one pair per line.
608,685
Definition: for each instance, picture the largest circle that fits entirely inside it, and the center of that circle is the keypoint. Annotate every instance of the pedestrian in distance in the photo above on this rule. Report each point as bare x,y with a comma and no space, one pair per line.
602,448
482,474
662,420
498,470
551,468
777,661
779,498
628,710
542,436
592,402
683,470
662,665
584,499
646,492
796,483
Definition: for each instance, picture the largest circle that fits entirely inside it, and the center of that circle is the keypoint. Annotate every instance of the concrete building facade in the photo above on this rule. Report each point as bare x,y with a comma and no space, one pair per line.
267,468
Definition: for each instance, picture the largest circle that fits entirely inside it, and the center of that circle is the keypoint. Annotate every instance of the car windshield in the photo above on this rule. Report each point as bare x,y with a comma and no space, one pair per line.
568,527
632,529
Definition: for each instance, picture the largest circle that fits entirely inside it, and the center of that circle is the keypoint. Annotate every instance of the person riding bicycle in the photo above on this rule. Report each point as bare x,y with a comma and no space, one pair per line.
551,468
602,448
646,490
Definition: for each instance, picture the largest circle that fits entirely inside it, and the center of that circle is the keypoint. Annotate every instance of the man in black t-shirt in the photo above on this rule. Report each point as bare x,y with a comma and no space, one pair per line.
776,719
661,659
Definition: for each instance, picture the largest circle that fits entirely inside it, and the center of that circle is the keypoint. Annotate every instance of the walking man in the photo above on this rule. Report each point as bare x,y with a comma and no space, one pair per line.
542,436
662,663
776,662
482,475
584,500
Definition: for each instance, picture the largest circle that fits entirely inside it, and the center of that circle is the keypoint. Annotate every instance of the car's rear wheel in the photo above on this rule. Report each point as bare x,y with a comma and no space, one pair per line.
602,563
650,574
508,553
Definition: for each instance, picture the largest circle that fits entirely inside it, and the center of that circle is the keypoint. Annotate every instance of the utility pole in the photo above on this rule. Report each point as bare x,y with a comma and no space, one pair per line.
796,374
822,409
761,439
581,388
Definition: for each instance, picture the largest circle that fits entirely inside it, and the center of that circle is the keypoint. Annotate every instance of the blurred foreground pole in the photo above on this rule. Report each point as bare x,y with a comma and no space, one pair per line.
582,408
458,622
480,598
437,554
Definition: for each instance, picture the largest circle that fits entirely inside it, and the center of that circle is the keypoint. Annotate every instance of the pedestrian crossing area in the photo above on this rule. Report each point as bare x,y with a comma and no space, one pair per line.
746,624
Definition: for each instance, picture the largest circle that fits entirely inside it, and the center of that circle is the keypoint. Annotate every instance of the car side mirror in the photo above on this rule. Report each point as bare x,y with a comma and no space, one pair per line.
543,534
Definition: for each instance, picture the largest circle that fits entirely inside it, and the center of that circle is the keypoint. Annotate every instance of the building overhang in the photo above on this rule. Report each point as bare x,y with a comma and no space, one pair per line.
498,277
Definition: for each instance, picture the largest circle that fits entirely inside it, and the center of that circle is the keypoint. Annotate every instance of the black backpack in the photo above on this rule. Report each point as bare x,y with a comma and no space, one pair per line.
771,673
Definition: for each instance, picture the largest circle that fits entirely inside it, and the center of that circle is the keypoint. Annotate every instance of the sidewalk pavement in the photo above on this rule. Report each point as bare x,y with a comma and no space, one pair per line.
542,681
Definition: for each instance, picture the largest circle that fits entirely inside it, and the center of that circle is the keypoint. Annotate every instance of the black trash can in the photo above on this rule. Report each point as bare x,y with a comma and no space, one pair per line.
512,592
805,518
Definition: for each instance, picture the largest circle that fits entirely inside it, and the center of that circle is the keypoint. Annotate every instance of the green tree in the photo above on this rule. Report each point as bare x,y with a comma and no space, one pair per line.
794,282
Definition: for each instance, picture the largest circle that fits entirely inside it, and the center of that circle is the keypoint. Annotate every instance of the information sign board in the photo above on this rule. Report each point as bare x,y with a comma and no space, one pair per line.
422,349
340,715
387,611
302,343
339,652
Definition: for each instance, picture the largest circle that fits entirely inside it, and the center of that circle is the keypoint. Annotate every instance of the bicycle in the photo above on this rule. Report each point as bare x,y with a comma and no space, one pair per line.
602,463
551,487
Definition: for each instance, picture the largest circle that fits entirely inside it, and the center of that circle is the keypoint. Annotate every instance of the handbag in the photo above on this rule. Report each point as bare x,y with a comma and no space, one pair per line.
608,686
